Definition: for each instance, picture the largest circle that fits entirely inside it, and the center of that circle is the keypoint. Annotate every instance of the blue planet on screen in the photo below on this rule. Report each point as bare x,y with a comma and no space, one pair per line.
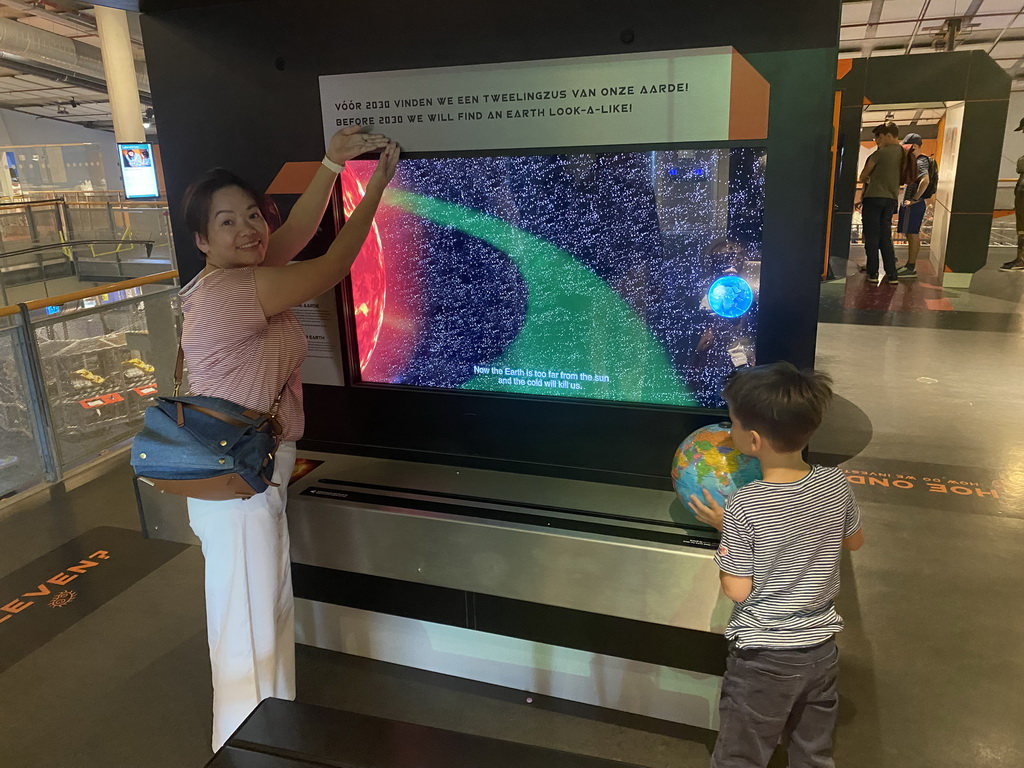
730,296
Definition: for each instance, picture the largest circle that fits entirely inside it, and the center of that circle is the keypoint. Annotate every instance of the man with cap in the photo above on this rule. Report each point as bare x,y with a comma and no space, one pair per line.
914,195
1017,265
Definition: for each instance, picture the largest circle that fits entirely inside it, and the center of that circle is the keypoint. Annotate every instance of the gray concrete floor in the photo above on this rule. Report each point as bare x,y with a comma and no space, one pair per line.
930,672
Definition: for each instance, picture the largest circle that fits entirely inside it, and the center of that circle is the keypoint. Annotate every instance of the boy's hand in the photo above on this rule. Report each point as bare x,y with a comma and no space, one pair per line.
708,511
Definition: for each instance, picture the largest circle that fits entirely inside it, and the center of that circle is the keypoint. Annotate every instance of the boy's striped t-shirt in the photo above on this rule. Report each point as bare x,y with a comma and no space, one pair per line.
788,537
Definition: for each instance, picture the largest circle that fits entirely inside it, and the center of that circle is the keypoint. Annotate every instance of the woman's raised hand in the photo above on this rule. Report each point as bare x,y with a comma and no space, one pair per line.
386,165
351,142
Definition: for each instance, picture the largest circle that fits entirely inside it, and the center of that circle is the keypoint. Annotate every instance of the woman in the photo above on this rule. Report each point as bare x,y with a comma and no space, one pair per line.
242,342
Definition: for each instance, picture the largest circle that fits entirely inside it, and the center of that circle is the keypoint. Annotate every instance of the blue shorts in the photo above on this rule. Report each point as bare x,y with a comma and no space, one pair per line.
911,217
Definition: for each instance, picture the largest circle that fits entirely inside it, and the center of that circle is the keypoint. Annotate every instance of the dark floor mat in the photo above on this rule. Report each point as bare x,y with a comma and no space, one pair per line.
53,592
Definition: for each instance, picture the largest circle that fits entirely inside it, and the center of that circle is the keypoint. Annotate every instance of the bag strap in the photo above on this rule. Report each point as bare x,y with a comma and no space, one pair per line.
179,372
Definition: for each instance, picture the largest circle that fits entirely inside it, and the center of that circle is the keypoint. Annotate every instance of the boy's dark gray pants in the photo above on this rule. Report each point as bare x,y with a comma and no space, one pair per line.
768,695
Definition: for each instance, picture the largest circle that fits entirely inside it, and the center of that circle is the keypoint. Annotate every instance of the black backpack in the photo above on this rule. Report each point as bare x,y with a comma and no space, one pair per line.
933,178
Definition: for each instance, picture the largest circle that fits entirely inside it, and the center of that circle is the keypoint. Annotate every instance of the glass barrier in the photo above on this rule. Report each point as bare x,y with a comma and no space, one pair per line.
24,225
1004,223
102,361
21,446
113,220
857,229
43,271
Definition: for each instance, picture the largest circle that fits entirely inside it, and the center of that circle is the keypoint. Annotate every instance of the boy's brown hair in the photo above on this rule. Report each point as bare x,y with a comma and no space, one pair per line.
890,128
783,404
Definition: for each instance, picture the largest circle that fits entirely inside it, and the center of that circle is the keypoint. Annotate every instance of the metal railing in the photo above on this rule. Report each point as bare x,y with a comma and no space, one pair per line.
95,261
56,219
71,195
77,372
1004,225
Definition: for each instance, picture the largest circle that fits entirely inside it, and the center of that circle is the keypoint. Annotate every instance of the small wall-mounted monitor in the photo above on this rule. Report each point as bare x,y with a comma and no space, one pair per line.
138,169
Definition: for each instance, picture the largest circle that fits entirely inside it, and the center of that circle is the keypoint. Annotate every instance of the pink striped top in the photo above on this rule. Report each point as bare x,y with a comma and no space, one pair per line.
234,352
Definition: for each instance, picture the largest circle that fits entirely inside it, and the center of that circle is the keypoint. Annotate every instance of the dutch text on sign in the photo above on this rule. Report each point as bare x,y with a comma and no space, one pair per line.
710,94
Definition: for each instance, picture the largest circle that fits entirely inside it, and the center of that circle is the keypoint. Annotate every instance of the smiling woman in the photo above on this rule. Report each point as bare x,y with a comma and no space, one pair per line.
225,215
243,343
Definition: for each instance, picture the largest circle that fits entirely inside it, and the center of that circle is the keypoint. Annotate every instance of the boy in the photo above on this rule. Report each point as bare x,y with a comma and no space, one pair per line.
779,559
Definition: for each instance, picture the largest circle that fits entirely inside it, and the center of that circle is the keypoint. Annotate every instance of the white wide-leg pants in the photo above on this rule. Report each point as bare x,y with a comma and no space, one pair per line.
250,614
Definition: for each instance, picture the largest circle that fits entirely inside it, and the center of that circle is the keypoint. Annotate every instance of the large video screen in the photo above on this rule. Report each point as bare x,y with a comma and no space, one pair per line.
630,277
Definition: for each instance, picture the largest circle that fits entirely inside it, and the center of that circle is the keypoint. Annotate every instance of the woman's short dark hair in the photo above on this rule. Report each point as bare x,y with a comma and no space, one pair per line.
783,404
199,198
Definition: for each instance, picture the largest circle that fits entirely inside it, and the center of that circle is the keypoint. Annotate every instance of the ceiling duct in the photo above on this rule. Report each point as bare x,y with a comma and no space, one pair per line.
59,52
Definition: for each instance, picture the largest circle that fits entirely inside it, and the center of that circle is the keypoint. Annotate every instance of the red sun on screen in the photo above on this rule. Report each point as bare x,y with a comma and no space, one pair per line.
369,277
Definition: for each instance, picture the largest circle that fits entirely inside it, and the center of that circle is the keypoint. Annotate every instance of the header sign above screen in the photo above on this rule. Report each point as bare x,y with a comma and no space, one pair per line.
138,170
666,97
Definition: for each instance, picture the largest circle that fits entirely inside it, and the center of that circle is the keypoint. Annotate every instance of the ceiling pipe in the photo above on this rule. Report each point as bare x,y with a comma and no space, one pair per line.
20,65
59,52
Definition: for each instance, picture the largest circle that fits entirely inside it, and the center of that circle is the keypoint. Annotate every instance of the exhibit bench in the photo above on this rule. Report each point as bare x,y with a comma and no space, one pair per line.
287,734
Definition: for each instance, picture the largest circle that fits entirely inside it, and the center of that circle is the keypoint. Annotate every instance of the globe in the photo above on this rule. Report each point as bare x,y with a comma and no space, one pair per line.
708,459
730,296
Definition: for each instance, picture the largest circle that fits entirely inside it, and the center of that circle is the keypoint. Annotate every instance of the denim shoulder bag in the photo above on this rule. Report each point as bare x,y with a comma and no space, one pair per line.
206,447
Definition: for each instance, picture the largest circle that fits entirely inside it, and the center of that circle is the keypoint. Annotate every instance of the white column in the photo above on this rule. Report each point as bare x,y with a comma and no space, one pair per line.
119,66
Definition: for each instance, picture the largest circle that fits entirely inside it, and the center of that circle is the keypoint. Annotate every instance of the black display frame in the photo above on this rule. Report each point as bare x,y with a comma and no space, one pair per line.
192,52
346,301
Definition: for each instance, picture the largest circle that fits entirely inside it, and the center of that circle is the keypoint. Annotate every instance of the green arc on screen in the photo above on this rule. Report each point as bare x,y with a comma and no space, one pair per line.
576,325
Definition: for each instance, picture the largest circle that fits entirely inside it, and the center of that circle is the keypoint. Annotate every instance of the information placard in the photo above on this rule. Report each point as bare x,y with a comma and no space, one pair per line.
667,97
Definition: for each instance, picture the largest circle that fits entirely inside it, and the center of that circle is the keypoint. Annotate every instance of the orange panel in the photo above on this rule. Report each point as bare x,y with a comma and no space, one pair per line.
748,102
293,178
843,67
832,180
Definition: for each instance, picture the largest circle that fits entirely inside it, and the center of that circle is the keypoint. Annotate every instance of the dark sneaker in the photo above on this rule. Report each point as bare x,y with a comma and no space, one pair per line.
1017,265
872,278
907,271
892,280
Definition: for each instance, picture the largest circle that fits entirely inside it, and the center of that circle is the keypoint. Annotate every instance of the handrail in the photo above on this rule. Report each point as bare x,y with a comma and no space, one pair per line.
65,243
132,203
28,203
89,293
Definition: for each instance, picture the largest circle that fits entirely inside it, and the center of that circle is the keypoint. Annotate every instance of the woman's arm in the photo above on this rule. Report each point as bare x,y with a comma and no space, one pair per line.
308,210
281,288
